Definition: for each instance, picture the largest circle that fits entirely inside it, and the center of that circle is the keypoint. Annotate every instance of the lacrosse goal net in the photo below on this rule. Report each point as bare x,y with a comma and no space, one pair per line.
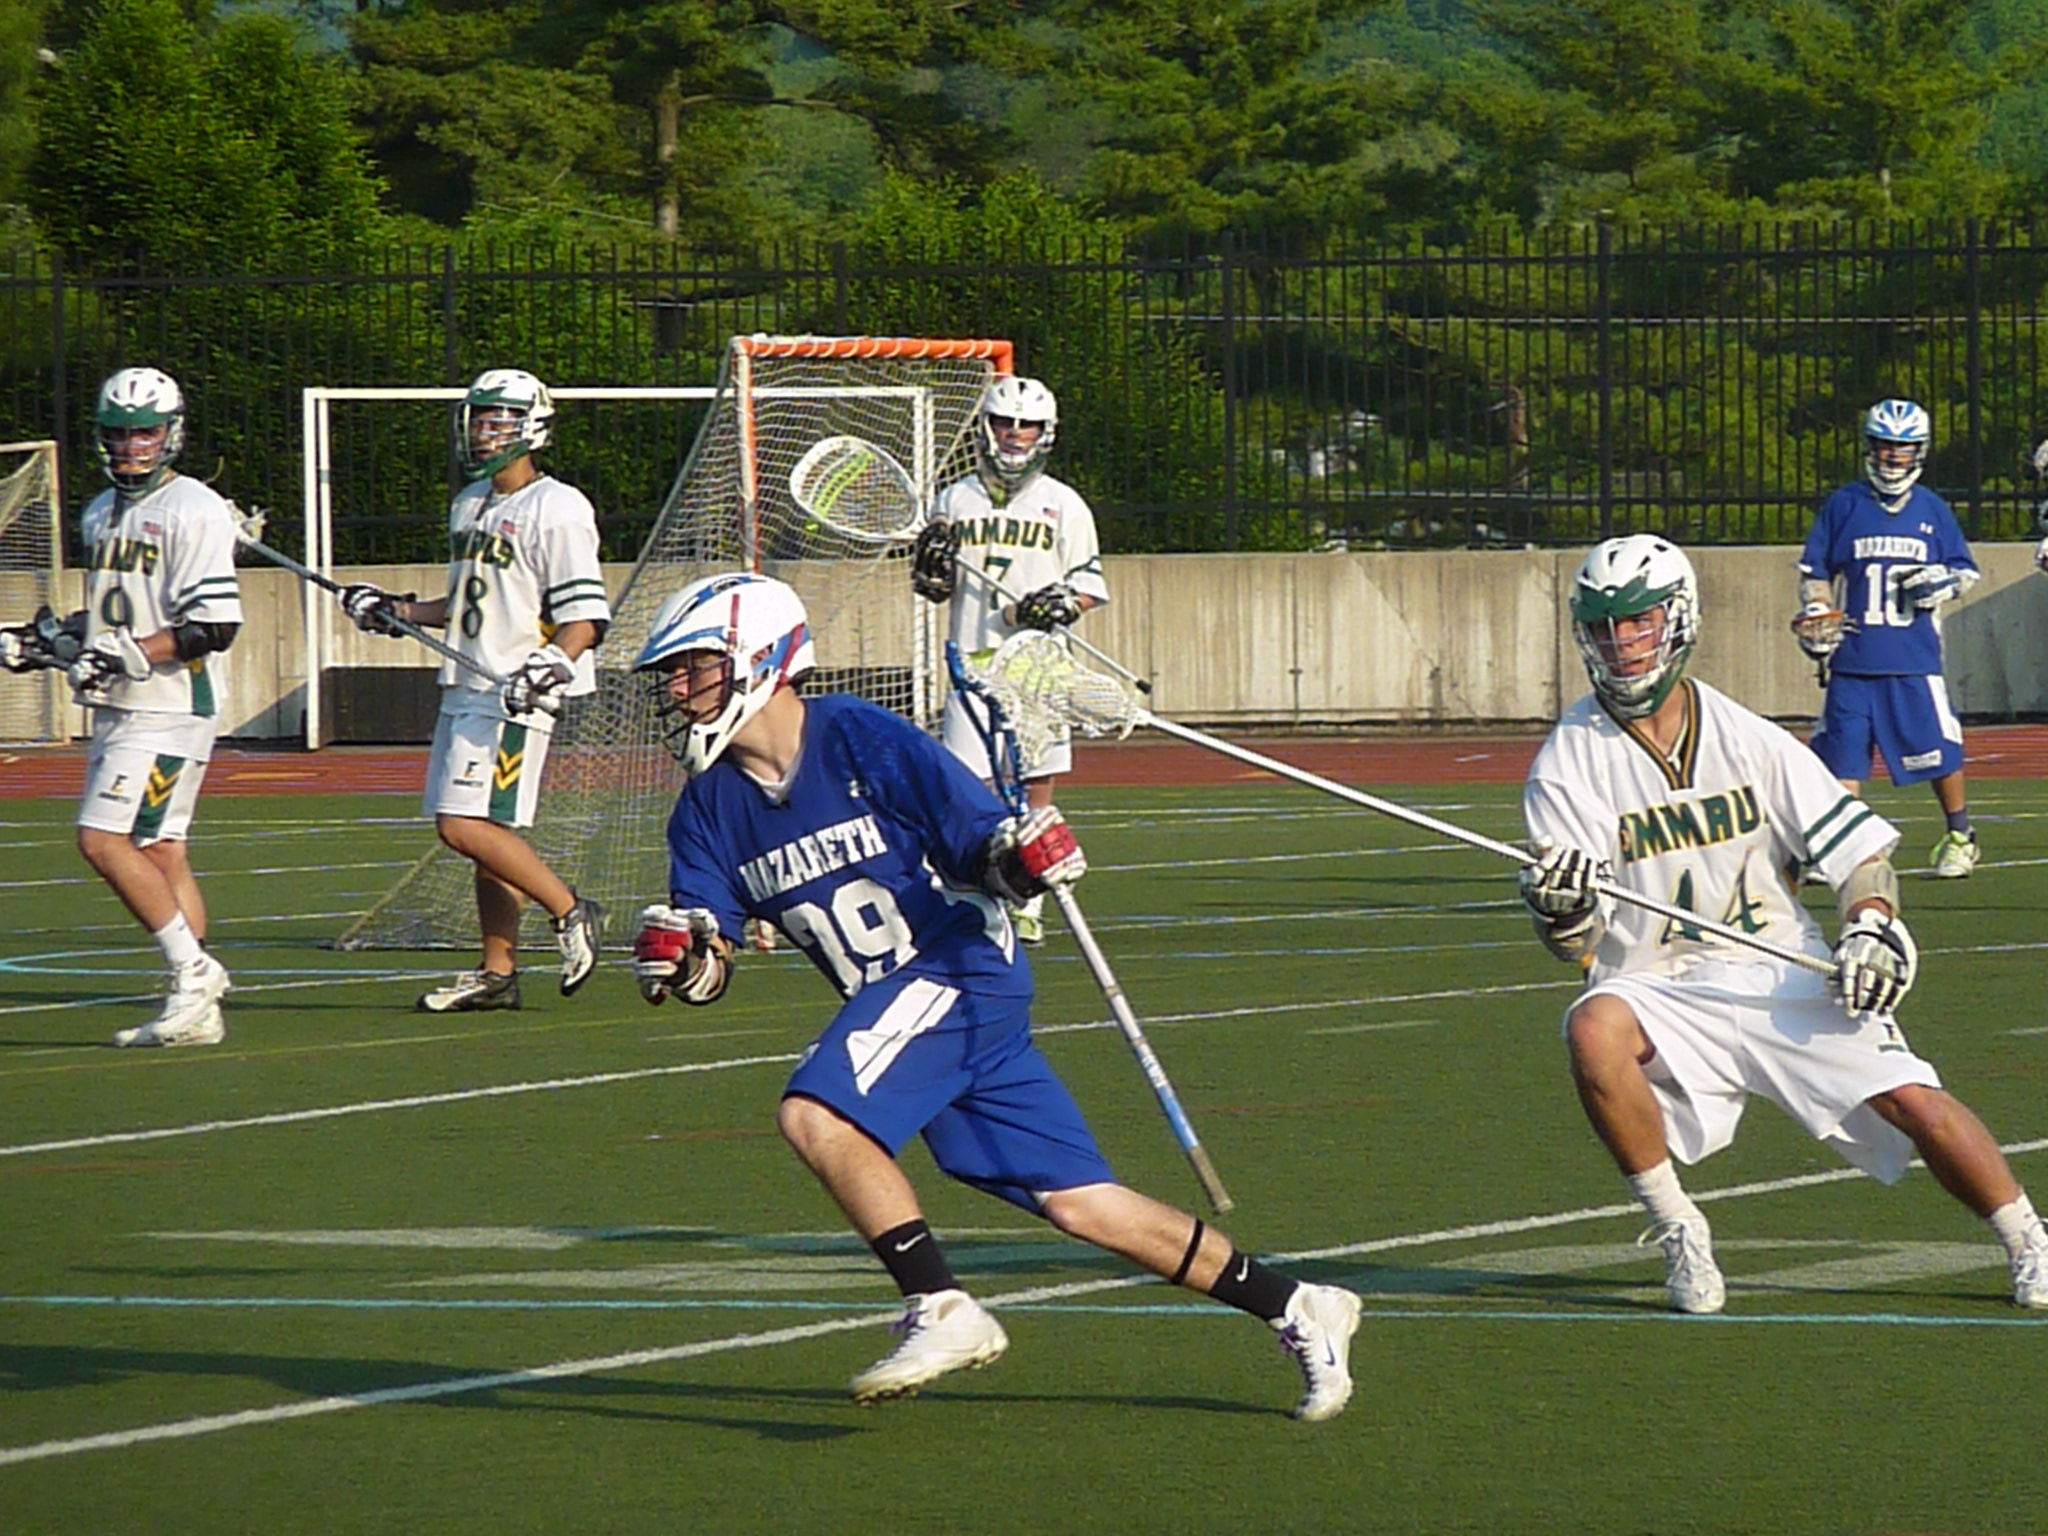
610,782
32,704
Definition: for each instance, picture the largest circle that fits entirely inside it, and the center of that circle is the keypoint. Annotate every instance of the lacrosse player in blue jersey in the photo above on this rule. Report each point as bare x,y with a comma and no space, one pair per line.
888,863
1893,550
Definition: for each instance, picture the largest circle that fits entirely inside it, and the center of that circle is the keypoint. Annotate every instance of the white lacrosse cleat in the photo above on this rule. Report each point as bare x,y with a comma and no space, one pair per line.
1954,856
1690,1273
578,932
191,1013
204,1026
1316,1329
2030,1274
943,1332
472,992
1029,921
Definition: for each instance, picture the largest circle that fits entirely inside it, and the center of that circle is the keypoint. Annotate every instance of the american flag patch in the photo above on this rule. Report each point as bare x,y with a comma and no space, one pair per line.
153,529
507,528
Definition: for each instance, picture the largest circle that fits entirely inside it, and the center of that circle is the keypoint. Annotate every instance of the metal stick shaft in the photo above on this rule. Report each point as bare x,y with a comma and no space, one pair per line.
1476,840
1148,1059
412,631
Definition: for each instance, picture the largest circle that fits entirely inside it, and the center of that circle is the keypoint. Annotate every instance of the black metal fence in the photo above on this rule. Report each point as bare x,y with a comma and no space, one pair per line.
1701,381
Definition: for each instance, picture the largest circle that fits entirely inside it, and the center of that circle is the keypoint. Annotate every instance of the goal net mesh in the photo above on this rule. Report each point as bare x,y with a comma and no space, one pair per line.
31,703
609,781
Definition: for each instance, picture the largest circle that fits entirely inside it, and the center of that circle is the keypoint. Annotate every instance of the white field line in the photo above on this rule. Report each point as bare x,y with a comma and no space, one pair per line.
250,1418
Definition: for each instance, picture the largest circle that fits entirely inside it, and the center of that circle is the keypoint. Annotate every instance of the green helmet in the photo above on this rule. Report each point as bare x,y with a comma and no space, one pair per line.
506,413
1622,579
138,400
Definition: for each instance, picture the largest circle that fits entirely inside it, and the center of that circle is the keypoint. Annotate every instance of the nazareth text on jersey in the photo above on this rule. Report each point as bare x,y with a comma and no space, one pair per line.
866,858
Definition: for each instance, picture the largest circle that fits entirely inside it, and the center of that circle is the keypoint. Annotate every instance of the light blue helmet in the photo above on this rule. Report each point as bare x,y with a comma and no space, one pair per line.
1888,424
758,625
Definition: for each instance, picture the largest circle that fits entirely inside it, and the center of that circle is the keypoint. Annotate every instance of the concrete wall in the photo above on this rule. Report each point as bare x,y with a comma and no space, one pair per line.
1440,638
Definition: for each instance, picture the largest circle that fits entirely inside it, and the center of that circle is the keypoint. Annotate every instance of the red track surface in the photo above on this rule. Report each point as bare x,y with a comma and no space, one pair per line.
1995,752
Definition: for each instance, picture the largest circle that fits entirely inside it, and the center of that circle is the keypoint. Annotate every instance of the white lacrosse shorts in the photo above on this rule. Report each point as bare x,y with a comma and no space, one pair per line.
143,772
1725,1030
964,741
486,764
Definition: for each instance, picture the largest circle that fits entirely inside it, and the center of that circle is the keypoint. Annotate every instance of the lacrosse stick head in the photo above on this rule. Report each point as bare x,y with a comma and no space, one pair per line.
857,488
1819,629
1049,691
248,523
992,712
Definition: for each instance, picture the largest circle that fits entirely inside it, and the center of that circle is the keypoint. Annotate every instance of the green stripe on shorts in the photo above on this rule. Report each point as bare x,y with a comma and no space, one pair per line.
156,796
505,772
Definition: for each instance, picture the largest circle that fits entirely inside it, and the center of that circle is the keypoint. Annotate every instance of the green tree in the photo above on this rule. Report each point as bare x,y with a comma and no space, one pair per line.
219,145
21,58
563,116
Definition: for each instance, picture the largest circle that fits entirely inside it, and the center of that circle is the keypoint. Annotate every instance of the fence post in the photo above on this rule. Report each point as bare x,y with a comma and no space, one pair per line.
839,285
1229,318
451,355
1604,258
60,382
1973,371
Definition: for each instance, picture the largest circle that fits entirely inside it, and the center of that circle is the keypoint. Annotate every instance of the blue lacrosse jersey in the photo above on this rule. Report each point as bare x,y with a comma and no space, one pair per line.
866,861
1869,549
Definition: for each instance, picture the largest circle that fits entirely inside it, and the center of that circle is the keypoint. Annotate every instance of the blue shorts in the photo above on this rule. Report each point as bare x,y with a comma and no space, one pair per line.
1906,719
910,1055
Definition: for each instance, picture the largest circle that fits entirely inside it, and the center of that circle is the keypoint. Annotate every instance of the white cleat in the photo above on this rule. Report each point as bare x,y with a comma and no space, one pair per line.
1316,1329
943,1332
2030,1275
205,1027
578,933
1690,1273
191,1013
1954,856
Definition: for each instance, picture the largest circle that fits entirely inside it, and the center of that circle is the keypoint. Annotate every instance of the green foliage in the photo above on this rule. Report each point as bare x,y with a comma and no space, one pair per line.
177,145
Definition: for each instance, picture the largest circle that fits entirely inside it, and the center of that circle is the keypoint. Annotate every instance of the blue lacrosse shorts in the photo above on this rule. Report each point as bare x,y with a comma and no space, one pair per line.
1906,719
913,1055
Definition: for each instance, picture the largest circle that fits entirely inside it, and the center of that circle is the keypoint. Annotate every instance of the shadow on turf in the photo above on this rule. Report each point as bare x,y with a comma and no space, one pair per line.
44,1368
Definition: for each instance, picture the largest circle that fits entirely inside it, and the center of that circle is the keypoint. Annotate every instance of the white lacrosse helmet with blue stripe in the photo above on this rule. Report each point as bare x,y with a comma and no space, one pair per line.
758,625
1889,426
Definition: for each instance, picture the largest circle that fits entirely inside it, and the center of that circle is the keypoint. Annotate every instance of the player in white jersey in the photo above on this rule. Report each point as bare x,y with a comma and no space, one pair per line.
525,604
1010,527
1659,784
161,601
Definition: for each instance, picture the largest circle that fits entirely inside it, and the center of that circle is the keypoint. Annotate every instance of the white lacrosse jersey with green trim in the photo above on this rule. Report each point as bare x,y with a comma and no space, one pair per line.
1044,533
154,562
1722,827
521,566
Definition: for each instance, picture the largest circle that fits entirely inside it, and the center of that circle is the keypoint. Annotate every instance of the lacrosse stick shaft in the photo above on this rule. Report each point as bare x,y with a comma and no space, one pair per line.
994,585
1148,1059
1477,840
432,642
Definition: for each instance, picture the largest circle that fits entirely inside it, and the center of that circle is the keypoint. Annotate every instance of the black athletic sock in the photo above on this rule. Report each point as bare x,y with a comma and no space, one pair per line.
1249,1286
911,1255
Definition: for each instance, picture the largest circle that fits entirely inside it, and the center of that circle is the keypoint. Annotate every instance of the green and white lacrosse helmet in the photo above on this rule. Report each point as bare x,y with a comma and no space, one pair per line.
507,412
139,426
1014,402
1635,578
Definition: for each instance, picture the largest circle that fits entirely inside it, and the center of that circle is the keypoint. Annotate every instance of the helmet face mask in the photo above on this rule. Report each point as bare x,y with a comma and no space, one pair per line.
1013,405
1896,434
1635,617
506,414
139,428
717,652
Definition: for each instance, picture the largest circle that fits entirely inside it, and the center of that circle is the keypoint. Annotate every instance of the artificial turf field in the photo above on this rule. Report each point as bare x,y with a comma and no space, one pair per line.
363,1270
